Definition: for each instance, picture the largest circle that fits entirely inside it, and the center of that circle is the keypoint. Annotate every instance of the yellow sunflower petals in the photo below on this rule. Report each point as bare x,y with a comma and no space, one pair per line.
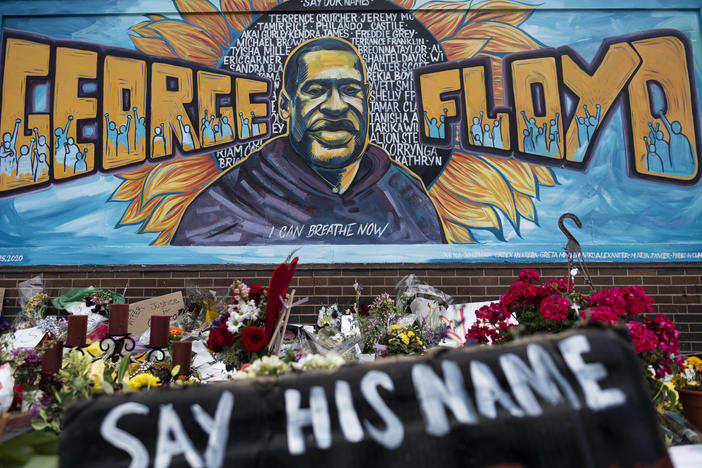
456,234
462,48
152,46
525,206
203,14
473,179
502,38
189,42
462,211
237,13
441,18
518,174
503,11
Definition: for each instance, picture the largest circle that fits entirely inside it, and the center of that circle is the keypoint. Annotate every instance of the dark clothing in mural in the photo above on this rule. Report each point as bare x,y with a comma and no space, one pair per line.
275,197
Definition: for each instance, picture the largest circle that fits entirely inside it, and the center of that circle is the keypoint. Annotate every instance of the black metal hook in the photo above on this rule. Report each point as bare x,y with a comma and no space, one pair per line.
573,245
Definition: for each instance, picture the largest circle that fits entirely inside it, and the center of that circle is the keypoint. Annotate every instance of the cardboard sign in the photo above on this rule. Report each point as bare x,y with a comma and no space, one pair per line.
140,312
575,399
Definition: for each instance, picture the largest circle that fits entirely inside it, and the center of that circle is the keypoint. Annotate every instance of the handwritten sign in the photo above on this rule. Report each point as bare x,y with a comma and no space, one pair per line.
27,337
140,312
2,298
574,399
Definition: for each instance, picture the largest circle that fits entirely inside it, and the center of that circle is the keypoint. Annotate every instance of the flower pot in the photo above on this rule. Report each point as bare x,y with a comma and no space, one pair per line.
692,406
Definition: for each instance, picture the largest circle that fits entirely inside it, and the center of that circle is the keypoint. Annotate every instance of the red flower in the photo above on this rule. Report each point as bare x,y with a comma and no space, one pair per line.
99,333
254,339
600,314
529,275
555,307
220,338
244,366
255,293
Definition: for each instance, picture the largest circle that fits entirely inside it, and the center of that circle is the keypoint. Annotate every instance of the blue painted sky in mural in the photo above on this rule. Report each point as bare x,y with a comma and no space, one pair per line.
621,215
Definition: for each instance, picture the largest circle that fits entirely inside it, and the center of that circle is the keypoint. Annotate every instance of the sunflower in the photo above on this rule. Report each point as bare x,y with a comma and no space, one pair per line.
470,192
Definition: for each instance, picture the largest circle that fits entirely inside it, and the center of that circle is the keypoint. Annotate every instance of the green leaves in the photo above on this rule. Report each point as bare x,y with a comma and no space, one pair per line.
38,449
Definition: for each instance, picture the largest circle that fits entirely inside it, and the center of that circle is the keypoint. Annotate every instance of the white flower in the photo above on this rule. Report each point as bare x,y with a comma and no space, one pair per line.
317,361
267,365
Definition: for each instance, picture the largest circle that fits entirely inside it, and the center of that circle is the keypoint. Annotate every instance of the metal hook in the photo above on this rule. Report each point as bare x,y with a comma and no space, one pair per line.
573,246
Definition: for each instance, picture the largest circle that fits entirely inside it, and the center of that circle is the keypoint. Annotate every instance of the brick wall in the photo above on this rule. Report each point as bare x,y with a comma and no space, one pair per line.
676,288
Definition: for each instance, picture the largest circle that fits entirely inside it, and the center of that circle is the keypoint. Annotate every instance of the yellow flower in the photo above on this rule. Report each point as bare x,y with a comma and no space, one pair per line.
97,369
404,339
410,333
419,342
694,362
396,328
142,380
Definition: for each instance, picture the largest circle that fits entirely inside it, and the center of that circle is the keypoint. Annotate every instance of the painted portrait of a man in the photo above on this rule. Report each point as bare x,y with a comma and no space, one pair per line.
321,182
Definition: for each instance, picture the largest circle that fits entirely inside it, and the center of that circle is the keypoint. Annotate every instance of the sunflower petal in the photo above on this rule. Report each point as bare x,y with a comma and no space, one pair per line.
139,173
457,234
137,211
504,11
203,14
152,46
544,175
263,5
518,174
188,41
441,18
459,210
180,175
128,190
143,29
237,13
475,180
168,213
462,48
525,206
503,38
406,4
156,17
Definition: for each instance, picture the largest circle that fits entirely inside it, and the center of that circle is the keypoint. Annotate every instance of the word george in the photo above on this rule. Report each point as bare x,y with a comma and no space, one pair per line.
70,109
557,105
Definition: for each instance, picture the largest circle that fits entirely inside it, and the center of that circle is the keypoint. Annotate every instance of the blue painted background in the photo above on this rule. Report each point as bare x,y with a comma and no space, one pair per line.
623,219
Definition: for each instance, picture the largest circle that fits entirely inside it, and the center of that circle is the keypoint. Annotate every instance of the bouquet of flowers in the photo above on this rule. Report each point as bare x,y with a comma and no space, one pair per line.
554,306
238,335
404,340
690,374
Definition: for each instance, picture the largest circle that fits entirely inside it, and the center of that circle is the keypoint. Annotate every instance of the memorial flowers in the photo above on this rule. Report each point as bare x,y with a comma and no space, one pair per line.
690,374
554,306
403,340
238,335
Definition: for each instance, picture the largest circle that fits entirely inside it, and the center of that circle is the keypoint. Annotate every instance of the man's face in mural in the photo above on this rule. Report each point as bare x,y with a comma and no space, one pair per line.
328,112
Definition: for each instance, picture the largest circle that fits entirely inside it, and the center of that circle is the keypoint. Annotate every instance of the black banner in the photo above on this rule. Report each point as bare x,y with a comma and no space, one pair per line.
575,399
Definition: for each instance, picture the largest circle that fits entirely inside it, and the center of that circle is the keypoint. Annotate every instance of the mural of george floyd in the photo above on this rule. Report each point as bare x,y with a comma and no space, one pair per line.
154,144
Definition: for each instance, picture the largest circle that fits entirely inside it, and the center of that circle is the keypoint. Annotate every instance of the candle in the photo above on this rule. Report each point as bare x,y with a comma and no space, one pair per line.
159,330
77,328
119,319
182,351
52,358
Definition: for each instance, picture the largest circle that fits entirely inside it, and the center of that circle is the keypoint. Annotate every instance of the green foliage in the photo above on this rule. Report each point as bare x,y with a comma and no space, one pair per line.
37,449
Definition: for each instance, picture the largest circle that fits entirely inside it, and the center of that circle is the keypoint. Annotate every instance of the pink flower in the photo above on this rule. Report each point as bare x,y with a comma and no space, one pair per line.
643,338
555,307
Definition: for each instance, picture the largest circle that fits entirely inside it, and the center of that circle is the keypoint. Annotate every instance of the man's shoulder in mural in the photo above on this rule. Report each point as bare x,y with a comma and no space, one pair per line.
275,197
